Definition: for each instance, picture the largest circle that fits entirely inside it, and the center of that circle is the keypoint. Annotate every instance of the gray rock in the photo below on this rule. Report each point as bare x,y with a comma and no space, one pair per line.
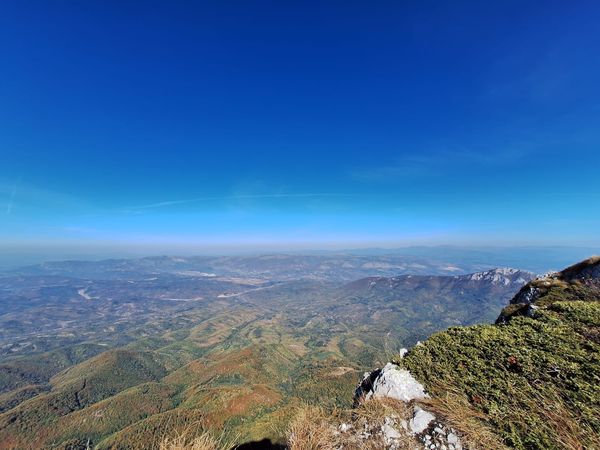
531,310
420,421
528,294
344,427
453,439
396,383
390,434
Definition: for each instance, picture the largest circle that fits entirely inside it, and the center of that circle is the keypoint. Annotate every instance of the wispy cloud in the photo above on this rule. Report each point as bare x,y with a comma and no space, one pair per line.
430,164
30,197
11,199
168,203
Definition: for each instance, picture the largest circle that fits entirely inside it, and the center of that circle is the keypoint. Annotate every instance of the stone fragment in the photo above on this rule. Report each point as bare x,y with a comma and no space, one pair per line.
420,420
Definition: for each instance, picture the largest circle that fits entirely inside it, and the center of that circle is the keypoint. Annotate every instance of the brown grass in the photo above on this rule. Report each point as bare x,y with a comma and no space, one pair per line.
316,429
457,412
311,430
188,441
376,410
477,433
560,421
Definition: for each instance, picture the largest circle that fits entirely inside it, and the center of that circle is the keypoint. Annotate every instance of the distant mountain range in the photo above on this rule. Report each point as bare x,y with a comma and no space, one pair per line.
537,259
274,267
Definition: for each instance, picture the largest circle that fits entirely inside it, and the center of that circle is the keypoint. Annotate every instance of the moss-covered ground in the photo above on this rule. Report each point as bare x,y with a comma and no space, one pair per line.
536,380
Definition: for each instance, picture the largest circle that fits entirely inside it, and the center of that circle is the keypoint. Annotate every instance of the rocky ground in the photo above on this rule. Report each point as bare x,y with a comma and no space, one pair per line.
411,425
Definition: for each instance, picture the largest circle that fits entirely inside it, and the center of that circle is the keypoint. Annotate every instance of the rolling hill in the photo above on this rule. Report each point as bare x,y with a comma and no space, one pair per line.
153,353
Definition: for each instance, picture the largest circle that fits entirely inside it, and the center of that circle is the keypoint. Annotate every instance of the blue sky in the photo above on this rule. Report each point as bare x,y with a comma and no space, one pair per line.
299,124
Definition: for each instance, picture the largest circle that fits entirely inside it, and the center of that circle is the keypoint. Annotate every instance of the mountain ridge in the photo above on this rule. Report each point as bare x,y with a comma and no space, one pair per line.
504,276
529,381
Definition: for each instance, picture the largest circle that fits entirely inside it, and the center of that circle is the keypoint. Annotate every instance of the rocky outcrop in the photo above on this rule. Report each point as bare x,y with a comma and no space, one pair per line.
528,294
583,274
588,270
417,423
392,382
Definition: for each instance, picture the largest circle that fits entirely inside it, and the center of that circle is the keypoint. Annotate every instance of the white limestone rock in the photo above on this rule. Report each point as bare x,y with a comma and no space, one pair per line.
396,383
452,438
345,427
390,434
420,421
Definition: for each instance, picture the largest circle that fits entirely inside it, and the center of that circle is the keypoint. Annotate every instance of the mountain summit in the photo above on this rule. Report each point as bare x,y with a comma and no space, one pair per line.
530,381
503,276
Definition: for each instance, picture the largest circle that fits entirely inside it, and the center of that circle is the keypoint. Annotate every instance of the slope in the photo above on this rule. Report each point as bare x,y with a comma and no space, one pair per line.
534,377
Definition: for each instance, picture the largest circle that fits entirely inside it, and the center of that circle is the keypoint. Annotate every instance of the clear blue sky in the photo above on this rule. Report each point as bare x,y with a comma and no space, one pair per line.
299,123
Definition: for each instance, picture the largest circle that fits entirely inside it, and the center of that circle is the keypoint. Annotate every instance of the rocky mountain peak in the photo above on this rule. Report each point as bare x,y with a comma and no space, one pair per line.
586,272
502,276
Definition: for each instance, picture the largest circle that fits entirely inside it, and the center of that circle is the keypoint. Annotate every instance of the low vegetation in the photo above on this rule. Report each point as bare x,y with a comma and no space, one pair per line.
534,381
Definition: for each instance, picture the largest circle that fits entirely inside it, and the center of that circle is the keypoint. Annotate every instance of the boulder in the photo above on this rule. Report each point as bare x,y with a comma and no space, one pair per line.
391,381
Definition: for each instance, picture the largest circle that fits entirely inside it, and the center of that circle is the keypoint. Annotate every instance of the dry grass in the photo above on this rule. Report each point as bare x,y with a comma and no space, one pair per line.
457,412
376,410
315,429
312,430
477,433
188,440
561,423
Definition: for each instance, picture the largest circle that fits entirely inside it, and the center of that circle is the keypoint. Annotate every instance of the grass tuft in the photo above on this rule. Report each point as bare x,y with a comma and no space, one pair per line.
312,430
187,440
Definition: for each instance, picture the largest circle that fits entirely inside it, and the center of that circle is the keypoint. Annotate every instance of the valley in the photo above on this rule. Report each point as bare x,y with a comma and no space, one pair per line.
105,352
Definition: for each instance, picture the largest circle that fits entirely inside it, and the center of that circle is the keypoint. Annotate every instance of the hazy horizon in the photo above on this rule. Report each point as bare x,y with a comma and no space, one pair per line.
535,258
